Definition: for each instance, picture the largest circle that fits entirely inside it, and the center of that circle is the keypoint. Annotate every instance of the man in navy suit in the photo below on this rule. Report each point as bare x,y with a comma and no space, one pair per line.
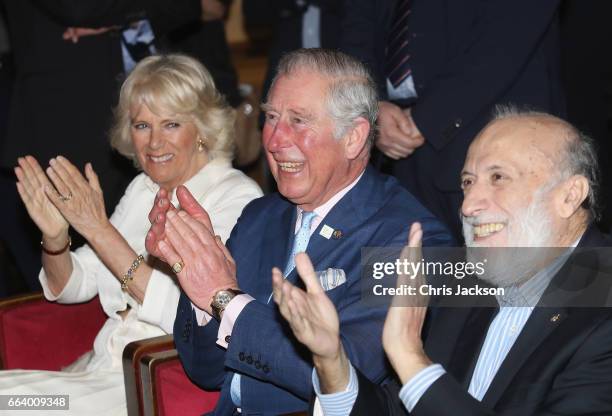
320,114
529,180
459,59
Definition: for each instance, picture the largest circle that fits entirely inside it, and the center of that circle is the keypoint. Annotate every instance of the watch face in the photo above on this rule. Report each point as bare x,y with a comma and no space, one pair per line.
223,297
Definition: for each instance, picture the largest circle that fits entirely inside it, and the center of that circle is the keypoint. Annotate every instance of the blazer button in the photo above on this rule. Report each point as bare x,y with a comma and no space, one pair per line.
186,330
227,338
249,360
265,369
257,364
241,356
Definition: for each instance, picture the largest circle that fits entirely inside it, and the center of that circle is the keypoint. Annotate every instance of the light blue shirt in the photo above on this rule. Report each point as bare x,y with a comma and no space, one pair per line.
140,31
311,27
403,91
341,403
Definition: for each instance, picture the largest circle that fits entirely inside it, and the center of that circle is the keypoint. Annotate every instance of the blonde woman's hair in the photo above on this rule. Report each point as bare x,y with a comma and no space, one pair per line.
181,86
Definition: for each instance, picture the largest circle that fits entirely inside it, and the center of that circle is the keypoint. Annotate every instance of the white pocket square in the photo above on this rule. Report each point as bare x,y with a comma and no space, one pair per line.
331,278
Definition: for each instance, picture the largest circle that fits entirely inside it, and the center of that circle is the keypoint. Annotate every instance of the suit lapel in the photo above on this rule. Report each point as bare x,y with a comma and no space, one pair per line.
469,344
277,243
346,217
318,246
342,219
541,323
286,236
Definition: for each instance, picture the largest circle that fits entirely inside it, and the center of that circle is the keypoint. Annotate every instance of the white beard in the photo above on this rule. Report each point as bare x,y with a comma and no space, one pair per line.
526,252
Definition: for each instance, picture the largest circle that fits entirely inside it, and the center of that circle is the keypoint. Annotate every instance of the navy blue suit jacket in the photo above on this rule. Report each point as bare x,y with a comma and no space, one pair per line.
275,367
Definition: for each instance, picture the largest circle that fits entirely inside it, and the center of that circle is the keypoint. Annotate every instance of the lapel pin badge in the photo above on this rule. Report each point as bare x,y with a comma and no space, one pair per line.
337,235
555,317
326,231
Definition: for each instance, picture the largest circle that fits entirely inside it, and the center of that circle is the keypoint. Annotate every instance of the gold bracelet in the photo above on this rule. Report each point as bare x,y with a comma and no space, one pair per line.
129,275
56,252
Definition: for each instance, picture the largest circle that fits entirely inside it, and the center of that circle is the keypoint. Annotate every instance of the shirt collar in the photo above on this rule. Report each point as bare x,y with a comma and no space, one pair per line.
324,209
199,183
529,293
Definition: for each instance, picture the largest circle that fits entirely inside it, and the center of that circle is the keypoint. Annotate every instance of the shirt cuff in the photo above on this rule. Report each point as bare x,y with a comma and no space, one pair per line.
416,387
337,404
230,314
202,317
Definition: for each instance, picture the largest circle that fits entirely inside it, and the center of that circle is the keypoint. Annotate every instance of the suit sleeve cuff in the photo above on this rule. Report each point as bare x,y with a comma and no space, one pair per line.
336,404
416,387
230,314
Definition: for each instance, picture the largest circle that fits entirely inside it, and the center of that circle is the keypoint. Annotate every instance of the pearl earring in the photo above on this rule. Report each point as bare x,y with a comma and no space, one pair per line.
201,146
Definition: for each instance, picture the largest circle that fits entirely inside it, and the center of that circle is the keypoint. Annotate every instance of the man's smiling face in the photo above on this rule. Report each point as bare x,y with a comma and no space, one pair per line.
307,162
505,179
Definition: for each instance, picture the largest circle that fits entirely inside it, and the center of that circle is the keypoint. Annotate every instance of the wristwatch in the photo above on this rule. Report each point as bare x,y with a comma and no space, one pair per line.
220,301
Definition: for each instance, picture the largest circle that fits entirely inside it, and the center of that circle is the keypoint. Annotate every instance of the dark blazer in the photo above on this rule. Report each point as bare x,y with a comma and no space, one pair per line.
466,56
64,93
561,363
276,368
206,41
288,26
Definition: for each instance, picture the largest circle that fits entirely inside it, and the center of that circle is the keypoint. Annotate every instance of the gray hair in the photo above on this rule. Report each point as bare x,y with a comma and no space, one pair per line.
578,158
352,91
175,84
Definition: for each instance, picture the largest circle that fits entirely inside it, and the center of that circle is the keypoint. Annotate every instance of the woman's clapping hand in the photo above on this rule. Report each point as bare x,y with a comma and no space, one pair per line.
78,198
31,184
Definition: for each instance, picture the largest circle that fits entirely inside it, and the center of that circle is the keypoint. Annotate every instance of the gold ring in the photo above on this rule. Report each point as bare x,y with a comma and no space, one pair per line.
178,266
67,197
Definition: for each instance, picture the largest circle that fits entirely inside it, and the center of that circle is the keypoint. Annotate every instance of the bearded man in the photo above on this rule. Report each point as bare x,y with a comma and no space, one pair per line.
529,180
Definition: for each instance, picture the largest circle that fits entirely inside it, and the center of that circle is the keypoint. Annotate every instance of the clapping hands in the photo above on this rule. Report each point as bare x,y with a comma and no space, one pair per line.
311,314
314,321
185,239
402,331
62,197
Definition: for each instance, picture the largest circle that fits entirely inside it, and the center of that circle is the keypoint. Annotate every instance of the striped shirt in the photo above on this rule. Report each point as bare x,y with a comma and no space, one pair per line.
516,306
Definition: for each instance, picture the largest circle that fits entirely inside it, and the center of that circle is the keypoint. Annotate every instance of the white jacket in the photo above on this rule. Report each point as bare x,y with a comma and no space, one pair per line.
220,189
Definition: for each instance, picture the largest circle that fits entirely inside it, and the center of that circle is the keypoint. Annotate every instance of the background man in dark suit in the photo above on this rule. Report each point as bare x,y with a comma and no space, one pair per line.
529,180
63,97
317,139
300,24
587,81
64,91
447,64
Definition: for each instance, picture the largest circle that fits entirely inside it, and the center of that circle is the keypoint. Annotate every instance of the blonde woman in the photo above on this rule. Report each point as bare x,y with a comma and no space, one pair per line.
176,127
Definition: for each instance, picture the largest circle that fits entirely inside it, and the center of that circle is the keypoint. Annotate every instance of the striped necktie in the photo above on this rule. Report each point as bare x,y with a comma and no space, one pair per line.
397,62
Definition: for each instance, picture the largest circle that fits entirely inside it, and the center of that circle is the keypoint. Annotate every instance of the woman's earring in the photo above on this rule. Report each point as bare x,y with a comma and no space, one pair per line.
200,143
